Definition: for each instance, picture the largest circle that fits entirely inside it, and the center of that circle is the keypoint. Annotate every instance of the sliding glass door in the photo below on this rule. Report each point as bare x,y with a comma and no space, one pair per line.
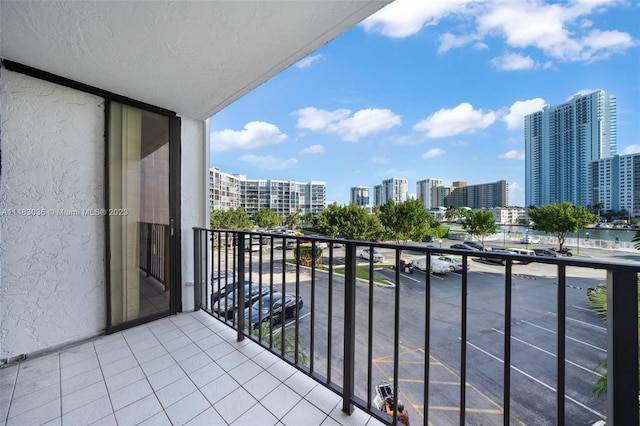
140,231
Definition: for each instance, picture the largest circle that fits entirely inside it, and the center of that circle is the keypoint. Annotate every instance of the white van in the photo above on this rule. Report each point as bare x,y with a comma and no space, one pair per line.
524,252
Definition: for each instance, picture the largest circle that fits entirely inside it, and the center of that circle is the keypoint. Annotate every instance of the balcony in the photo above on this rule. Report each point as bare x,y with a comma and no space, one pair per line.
518,331
352,333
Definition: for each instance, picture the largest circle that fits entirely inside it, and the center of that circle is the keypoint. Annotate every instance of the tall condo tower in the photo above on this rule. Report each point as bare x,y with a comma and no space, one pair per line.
561,141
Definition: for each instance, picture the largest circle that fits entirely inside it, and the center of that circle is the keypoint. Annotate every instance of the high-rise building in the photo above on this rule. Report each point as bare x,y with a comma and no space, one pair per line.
484,195
224,190
561,141
426,191
360,196
395,189
228,191
615,182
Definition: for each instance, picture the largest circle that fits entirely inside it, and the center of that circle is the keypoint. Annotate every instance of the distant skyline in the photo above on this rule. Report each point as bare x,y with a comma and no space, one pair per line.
433,90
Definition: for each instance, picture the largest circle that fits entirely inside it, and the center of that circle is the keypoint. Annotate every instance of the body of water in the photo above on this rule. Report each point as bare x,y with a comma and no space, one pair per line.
606,234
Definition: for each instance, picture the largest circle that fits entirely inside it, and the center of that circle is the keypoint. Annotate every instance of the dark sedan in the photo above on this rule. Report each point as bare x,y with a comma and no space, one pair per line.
226,305
464,247
221,289
271,306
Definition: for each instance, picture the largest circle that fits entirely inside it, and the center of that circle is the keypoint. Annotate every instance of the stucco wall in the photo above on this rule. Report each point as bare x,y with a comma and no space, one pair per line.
52,282
195,172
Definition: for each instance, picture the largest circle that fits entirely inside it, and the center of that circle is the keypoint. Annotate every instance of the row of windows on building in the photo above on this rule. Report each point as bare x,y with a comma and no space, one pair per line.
230,191
433,194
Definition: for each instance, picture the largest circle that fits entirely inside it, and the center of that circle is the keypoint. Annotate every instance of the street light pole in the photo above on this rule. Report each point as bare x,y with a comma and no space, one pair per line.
578,234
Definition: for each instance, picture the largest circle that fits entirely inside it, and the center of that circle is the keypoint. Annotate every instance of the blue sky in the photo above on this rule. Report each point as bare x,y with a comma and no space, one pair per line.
433,89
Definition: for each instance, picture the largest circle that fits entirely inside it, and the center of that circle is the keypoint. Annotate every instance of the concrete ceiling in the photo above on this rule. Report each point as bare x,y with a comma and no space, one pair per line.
192,57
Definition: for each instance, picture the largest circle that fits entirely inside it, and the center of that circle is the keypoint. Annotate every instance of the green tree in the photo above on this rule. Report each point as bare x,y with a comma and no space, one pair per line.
453,213
480,224
560,219
309,219
218,219
266,217
597,208
293,219
351,222
405,221
327,222
236,219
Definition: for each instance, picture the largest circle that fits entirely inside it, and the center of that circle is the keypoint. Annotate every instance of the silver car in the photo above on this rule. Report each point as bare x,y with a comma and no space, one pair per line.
377,257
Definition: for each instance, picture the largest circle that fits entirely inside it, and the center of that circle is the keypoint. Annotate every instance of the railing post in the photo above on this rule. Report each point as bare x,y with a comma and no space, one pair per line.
240,283
622,347
197,271
149,227
349,326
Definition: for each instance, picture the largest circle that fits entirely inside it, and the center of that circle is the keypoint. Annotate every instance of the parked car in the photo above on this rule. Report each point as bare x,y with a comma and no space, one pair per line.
524,252
437,266
223,288
377,256
427,239
476,245
226,305
544,252
454,262
530,239
465,246
278,306
320,244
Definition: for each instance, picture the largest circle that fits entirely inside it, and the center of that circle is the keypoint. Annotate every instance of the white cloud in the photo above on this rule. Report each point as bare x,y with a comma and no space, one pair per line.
557,29
512,155
254,135
515,187
404,18
517,111
631,149
433,153
379,160
562,31
349,127
513,62
450,41
318,120
306,62
269,162
313,149
449,122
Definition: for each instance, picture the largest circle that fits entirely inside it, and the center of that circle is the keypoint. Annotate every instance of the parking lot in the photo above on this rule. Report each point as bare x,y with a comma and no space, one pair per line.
533,342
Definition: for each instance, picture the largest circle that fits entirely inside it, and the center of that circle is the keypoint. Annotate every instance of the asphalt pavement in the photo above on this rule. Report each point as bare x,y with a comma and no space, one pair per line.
435,338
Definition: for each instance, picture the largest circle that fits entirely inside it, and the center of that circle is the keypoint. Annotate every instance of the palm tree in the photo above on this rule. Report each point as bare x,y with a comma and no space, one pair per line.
597,208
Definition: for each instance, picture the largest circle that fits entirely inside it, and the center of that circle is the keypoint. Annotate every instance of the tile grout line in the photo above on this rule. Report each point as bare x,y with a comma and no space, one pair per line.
59,357
13,393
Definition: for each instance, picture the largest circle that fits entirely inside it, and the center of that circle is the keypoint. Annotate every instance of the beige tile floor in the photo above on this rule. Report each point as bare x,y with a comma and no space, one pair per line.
185,369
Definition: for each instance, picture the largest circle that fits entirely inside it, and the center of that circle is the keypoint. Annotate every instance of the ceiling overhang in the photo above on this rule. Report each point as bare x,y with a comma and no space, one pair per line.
191,57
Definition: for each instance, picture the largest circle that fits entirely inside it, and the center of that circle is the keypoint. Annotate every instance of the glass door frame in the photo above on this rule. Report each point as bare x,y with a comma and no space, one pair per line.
175,273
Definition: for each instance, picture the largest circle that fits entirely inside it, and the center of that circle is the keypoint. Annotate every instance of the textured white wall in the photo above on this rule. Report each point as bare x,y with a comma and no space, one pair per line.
195,173
52,280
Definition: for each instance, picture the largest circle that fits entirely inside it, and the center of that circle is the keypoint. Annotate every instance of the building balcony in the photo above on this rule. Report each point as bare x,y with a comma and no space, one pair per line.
508,340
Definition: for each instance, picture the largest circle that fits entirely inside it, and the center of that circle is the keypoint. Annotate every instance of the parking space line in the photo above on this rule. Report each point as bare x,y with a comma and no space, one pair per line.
582,308
550,353
582,322
568,337
540,382
419,408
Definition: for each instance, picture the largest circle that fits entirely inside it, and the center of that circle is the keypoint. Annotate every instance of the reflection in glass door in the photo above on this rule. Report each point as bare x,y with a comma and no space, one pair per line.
139,217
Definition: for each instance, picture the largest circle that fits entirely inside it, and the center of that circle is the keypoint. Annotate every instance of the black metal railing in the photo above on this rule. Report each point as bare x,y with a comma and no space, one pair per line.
362,323
153,250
